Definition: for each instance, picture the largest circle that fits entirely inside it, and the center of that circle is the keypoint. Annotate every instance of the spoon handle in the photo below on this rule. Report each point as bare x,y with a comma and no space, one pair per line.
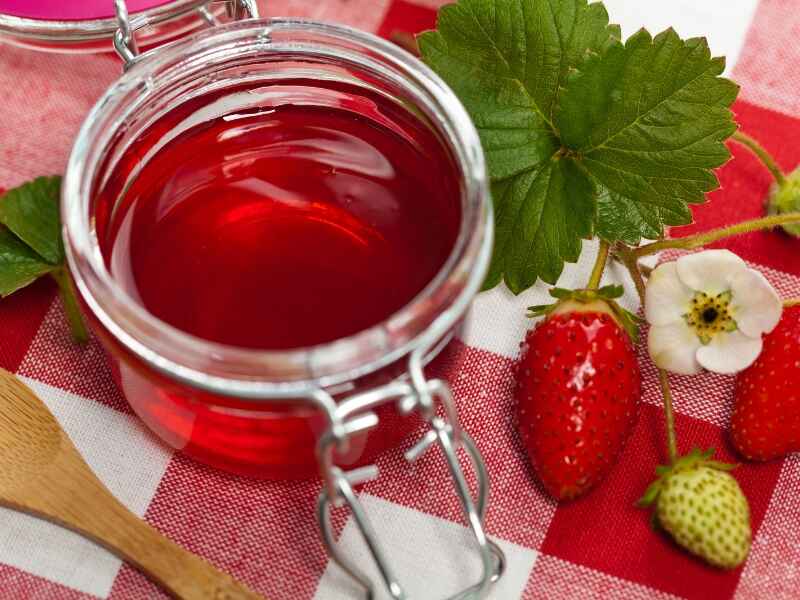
79,501
185,575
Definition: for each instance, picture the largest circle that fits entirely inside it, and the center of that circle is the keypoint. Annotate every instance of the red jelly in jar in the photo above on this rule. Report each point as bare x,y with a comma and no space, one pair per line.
266,218
304,220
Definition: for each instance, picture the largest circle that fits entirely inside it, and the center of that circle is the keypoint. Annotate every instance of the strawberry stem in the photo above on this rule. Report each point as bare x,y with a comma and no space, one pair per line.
629,259
762,154
669,415
66,290
599,266
696,241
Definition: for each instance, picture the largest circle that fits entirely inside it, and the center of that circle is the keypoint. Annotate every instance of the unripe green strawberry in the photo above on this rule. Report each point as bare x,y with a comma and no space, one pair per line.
703,508
786,199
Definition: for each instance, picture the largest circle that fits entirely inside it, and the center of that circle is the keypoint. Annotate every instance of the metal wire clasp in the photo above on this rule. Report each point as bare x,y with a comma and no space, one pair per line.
434,402
125,38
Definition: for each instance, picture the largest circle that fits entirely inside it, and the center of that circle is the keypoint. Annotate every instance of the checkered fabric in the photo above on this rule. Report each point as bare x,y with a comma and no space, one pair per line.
265,533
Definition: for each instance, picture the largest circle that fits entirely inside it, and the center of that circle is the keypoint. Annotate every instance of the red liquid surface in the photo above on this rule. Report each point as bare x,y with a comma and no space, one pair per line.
286,225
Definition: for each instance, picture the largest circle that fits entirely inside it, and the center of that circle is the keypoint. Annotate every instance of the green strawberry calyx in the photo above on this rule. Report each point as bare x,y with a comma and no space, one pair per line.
604,298
785,198
695,459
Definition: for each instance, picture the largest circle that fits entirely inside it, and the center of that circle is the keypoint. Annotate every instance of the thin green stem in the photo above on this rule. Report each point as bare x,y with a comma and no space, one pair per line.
599,266
669,415
762,154
66,290
630,261
701,239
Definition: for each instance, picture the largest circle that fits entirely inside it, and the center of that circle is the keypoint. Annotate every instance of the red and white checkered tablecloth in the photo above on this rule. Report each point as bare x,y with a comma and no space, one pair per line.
264,532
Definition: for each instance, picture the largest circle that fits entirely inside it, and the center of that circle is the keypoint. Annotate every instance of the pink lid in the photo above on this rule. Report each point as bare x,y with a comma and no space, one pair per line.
70,10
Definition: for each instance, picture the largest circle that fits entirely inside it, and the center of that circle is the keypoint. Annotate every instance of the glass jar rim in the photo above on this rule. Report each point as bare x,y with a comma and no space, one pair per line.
68,31
257,374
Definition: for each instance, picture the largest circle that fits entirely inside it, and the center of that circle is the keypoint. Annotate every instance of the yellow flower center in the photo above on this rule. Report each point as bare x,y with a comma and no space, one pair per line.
709,315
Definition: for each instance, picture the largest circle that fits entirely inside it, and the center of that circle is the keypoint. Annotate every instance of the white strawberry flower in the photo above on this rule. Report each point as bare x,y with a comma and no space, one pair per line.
708,310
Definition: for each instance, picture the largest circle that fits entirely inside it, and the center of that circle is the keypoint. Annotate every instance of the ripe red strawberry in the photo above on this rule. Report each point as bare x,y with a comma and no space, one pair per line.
766,414
578,393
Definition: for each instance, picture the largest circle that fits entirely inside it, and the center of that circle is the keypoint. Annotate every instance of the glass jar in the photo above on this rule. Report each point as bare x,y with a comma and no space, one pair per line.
248,411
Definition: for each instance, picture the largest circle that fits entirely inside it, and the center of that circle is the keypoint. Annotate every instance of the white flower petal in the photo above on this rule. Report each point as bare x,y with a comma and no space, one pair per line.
729,352
756,305
710,271
674,347
666,298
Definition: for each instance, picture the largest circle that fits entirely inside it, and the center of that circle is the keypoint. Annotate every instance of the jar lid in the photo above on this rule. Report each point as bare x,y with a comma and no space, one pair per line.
89,25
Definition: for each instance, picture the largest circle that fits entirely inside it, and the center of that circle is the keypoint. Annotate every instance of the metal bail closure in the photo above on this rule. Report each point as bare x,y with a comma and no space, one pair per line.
357,414
125,38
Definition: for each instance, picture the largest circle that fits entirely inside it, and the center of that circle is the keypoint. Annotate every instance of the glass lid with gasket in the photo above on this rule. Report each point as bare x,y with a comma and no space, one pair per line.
88,25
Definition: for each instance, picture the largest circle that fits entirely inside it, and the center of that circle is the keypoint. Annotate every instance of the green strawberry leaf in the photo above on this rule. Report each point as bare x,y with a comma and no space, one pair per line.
583,135
31,213
507,61
31,245
647,121
541,216
19,265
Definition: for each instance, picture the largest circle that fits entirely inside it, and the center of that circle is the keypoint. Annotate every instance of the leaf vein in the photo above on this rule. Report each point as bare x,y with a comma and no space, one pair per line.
641,115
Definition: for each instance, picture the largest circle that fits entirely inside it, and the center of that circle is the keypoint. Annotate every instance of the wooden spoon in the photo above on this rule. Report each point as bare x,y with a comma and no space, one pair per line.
42,473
